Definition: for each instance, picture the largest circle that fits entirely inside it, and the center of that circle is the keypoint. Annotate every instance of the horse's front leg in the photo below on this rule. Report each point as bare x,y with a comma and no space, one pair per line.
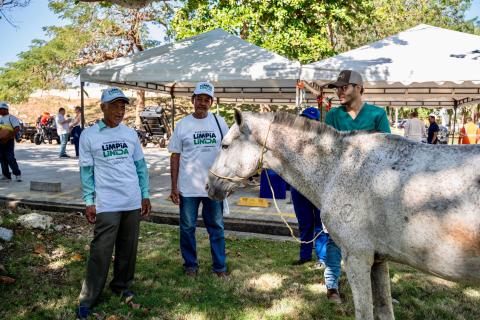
382,298
358,267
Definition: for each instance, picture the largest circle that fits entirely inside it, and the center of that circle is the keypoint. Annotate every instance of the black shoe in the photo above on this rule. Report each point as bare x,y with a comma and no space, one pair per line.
64,156
299,262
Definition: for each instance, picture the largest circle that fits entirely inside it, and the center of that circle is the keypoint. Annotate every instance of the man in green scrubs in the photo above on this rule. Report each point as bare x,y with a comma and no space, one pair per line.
352,114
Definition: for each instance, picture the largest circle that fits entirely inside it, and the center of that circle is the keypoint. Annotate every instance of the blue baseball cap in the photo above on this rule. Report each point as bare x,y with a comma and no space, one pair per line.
311,113
112,94
3,105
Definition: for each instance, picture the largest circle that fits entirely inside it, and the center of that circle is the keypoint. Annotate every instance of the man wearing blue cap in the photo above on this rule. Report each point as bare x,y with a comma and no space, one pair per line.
9,127
115,188
194,146
308,216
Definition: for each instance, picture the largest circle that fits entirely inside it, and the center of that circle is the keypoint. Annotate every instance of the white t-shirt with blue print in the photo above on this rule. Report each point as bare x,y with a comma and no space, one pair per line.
112,153
198,142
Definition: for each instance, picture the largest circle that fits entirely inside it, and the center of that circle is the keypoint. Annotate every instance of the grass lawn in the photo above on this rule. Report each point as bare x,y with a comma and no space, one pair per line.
48,267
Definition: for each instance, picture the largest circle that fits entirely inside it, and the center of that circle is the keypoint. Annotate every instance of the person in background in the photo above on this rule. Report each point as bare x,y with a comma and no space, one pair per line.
9,127
469,133
352,114
194,145
414,128
62,131
76,129
433,130
308,216
115,188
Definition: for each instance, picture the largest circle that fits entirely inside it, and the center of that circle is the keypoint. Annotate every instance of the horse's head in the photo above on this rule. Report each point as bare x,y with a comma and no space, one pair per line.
241,154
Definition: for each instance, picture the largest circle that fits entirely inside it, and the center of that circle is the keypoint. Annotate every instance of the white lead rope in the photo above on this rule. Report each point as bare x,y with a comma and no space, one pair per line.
259,168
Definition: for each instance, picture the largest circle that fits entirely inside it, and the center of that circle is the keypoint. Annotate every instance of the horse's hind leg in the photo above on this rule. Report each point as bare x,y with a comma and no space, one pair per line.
358,272
382,298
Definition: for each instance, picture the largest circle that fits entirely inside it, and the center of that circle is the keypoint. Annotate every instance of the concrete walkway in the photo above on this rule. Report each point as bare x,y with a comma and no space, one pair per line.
41,163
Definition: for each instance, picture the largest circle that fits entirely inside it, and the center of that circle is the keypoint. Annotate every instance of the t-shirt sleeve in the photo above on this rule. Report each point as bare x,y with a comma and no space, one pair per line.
383,125
138,151
223,125
329,118
175,143
85,152
15,122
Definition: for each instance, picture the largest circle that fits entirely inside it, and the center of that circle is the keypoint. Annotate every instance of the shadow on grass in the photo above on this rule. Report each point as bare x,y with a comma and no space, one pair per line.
262,285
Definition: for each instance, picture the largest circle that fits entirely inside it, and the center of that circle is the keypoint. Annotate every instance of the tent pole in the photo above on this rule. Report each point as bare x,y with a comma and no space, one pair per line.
455,106
82,105
173,106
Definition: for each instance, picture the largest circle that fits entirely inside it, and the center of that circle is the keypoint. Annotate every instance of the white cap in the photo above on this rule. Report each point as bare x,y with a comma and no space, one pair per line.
204,88
3,105
432,115
112,94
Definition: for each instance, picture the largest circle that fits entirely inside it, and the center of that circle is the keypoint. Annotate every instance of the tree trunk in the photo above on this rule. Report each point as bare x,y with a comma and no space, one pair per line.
140,106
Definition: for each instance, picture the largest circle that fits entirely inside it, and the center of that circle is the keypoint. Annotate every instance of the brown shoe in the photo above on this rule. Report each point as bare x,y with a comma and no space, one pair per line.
221,274
334,296
192,273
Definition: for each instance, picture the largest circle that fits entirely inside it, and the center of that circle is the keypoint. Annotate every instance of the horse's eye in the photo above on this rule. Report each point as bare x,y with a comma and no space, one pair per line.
224,146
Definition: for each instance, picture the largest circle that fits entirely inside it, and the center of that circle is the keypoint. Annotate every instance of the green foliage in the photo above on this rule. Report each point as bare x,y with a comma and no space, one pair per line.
312,30
93,33
298,29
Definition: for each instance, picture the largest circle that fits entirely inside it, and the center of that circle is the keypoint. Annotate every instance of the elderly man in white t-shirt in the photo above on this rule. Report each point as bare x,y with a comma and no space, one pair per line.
115,188
194,146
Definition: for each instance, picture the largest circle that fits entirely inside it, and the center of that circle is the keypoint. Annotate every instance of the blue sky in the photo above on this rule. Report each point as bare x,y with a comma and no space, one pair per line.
31,19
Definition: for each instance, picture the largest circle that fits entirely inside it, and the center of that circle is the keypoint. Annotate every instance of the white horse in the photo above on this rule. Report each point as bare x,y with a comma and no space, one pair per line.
381,197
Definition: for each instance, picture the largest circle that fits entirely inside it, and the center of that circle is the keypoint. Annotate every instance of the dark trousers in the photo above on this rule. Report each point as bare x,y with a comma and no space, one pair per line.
119,229
76,131
309,225
7,158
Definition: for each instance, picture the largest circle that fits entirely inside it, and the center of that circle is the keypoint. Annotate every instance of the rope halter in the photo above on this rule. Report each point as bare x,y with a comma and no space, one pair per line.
259,164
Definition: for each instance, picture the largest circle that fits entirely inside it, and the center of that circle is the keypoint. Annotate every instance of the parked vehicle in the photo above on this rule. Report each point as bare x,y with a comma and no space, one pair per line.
46,132
155,126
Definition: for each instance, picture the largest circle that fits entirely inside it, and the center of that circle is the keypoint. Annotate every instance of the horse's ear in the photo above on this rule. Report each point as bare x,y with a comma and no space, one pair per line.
238,117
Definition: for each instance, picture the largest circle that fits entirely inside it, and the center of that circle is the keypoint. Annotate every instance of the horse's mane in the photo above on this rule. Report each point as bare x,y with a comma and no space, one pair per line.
305,124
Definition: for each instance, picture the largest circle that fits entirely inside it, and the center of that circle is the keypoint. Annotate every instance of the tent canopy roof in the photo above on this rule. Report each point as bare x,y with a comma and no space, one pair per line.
423,56
423,62
236,67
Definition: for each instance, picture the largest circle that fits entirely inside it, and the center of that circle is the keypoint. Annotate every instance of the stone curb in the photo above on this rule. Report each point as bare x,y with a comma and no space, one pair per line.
162,217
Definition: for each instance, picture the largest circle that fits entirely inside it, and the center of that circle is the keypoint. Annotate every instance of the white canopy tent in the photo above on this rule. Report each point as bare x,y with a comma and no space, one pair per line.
240,71
422,66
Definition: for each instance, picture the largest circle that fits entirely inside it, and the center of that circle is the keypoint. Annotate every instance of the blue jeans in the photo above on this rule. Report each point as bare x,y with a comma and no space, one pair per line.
212,214
332,265
76,131
63,144
7,158
309,225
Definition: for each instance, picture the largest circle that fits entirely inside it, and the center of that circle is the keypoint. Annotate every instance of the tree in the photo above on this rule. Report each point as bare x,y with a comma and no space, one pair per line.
132,4
6,5
301,29
312,30
95,33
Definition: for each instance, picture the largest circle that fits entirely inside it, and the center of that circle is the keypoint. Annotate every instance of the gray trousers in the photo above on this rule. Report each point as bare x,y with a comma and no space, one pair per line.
119,229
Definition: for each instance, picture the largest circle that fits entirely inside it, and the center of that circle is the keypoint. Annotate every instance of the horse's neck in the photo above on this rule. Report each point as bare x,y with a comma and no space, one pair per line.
302,158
